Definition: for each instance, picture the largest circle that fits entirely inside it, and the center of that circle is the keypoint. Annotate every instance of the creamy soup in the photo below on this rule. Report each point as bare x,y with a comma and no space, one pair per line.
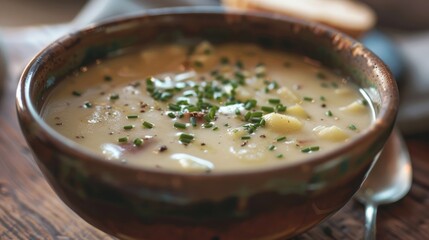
206,108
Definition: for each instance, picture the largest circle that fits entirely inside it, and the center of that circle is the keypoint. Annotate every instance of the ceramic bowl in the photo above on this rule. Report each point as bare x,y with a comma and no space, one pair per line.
134,203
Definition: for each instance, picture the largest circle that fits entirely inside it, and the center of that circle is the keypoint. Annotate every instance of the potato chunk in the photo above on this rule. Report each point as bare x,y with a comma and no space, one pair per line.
332,133
236,133
282,123
356,107
287,94
298,111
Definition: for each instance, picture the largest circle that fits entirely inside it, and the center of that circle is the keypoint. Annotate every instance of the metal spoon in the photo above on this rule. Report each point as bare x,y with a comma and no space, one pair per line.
389,180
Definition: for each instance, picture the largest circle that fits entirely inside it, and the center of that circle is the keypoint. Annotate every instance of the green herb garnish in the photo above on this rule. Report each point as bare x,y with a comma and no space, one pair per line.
128,127
186,138
114,96
280,139
308,99
180,125
352,127
246,137
274,100
267,109
148,125
87,105
138,141
310,149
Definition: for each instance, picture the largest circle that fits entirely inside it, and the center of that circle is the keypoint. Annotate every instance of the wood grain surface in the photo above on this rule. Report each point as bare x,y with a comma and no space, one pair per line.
29,209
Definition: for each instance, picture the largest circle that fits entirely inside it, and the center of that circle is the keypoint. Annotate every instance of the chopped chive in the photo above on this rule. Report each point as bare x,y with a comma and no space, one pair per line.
193,121
274,100
352,127
165,96
310,149
237,112
76,93
171,115
212,113
247,116
364,102
250,104
280,155
334,85
114,96
174,107
87,105
262,122
322,98
193,109
128,127
186,138
246,137
148,124
239,64
132,116
180,125
255,119
308,99
207,125
267,109
150,85
215,128
138,141
329,113
271,147
207,51
324,85
279,139
280,108
123,139
257,114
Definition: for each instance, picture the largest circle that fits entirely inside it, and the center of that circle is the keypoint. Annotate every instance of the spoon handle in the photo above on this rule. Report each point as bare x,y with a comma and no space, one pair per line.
370,221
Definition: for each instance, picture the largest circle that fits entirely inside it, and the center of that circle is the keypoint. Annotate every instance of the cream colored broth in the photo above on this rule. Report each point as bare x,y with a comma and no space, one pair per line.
125,109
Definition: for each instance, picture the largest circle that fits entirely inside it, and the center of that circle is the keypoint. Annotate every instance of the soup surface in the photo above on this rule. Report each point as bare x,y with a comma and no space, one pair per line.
205,108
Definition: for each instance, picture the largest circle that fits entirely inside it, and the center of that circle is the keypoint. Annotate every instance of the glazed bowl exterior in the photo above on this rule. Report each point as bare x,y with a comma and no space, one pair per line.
271,203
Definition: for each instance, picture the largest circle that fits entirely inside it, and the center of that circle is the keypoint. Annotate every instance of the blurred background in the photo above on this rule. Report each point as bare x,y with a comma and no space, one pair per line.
407,15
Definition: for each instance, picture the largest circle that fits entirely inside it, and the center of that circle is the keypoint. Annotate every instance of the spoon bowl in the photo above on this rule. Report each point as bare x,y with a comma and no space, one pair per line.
388,181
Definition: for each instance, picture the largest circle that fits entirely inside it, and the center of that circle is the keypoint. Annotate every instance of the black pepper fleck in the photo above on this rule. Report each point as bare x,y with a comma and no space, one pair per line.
163,148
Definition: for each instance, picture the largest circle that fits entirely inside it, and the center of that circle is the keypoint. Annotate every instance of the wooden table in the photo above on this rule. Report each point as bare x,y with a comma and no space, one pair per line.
29,209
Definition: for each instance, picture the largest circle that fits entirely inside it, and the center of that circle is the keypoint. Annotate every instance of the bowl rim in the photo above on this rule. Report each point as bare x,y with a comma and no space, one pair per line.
26,110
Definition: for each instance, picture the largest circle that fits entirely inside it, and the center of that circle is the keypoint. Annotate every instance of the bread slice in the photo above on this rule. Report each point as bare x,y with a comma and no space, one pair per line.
351,17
